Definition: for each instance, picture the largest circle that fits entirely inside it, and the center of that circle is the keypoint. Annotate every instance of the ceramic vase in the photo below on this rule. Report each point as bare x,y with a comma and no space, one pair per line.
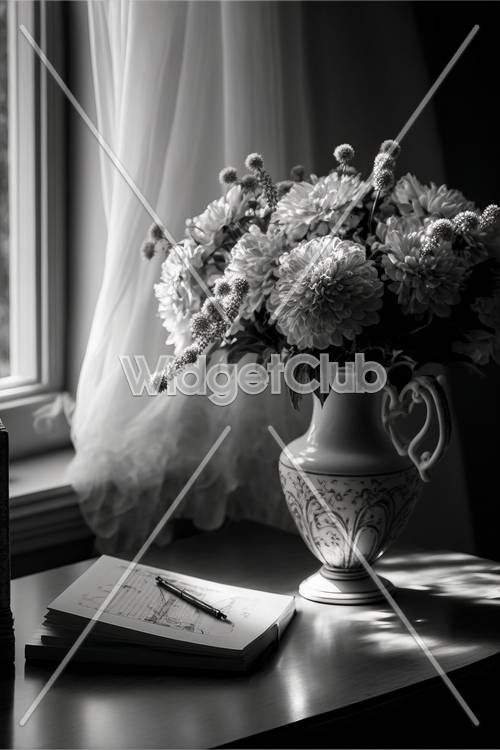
351,483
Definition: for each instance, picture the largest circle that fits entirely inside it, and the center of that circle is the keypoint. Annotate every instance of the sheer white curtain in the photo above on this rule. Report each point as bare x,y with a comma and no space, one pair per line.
181,90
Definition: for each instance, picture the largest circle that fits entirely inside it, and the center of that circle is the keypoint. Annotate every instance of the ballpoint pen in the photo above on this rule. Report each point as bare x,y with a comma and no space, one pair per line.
198,603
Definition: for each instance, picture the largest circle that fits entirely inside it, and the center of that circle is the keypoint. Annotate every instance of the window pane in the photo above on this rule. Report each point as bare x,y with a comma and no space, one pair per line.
4,198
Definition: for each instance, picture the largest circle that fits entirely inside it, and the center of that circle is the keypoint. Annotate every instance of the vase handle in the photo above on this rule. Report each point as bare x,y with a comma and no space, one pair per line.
429,390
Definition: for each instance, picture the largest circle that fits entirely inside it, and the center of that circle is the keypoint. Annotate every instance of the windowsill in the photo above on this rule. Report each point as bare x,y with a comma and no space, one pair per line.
44,510
18,417
38,477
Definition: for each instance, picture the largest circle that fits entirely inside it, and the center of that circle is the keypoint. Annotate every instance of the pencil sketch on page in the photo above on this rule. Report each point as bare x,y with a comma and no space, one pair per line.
141,599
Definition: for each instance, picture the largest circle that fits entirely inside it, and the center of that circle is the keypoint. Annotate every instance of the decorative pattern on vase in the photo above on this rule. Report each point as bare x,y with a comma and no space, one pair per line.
372,511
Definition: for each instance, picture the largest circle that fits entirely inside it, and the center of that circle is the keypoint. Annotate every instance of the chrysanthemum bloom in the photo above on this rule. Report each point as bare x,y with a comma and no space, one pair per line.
178,293
402,224
422,281
319,303
255,257
221,212
312,210
431,200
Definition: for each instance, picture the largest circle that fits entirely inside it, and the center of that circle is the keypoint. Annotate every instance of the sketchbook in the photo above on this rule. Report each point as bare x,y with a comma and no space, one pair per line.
143,623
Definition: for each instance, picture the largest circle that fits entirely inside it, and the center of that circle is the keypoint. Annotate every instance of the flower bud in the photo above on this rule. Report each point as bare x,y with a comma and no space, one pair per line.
466,222
222,287
156,232
383,179
148,249
391,147
200,325
344,153
297,173
490,218
159,381
384,161
441,230
240,286
249,183
254,161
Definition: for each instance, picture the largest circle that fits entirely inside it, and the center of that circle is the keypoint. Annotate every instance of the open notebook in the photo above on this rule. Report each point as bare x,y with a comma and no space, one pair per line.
145,624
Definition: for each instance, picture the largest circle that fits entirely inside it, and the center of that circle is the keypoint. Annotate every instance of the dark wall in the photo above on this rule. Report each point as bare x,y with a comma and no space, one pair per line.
369,64
468,118
468,114
367,73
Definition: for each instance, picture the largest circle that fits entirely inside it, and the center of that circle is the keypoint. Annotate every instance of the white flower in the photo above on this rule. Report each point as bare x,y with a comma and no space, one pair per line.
296,211
255,257
327,291
309,210
219,213
402,225
411,195
179,294
422,281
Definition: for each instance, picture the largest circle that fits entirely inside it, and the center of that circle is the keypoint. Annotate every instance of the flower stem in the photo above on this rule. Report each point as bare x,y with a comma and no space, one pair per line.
372,213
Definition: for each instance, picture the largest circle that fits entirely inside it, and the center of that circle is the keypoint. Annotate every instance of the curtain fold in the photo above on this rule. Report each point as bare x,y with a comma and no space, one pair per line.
182,89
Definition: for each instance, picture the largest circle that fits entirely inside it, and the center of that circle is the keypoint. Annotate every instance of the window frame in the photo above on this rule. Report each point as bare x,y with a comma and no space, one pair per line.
37,232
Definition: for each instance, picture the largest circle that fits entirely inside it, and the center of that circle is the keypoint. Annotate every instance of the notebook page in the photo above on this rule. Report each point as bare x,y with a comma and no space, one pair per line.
141,606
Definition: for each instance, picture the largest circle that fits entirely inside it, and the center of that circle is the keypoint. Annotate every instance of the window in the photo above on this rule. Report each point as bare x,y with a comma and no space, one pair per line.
31,215
4,198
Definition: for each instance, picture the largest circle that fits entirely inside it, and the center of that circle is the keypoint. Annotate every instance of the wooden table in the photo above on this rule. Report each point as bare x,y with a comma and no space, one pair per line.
342,677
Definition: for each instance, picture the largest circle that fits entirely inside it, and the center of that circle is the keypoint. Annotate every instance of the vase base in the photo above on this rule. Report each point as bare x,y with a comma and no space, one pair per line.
347,590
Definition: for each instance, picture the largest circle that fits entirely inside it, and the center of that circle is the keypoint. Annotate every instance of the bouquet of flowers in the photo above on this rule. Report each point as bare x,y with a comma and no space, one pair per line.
404,272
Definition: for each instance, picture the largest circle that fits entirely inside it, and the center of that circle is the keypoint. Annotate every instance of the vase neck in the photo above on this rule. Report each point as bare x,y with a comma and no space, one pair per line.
347,436
345,414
